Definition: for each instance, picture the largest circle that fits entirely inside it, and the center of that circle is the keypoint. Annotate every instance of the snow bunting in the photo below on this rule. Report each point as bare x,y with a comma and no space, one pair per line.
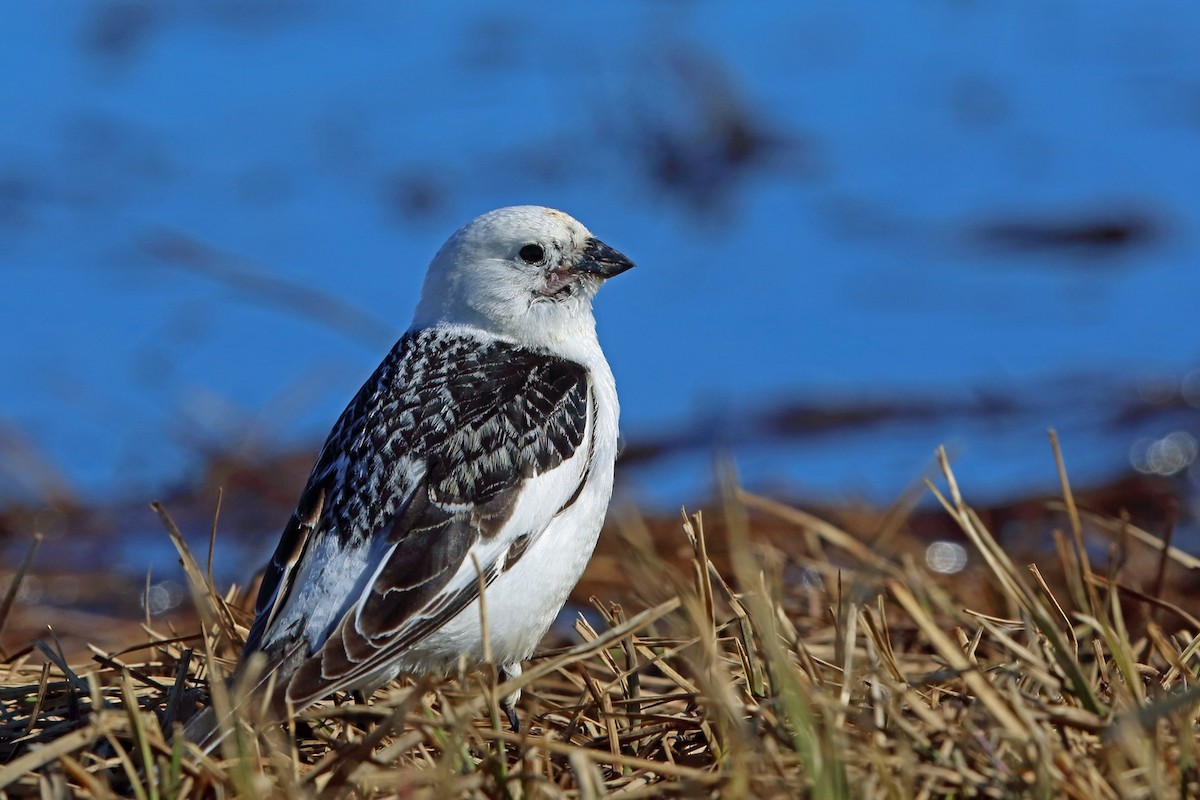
483,445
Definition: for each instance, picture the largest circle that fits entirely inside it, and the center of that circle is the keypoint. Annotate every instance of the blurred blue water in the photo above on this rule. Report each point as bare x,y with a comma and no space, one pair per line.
826,200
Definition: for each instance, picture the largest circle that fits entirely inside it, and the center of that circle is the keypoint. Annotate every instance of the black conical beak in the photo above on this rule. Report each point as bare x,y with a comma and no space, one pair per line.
601,260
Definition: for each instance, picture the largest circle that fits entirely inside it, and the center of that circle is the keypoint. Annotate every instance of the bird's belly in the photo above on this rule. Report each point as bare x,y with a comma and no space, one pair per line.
524,601
521,603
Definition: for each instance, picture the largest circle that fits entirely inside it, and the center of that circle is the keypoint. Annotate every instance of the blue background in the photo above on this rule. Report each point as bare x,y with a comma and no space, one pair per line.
812,192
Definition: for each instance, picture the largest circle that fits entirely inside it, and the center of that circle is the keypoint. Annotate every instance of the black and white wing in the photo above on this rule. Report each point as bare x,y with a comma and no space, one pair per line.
428,460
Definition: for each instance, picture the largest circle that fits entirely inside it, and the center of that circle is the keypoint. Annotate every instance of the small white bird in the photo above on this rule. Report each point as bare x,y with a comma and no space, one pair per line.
484,442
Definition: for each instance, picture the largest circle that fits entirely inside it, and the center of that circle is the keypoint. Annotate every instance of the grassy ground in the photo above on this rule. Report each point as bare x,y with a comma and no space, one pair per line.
813,661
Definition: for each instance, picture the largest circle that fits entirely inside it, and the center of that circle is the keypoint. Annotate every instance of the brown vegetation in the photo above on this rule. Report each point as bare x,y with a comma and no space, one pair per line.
772,653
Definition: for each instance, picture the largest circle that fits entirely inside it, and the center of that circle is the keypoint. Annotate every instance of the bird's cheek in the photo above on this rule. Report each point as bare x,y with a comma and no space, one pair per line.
557,280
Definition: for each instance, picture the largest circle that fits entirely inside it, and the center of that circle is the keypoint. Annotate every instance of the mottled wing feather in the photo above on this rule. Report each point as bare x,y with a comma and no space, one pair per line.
343,660
428,458
277,577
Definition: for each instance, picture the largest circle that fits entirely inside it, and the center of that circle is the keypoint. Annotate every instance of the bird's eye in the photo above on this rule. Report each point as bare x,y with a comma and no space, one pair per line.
532,254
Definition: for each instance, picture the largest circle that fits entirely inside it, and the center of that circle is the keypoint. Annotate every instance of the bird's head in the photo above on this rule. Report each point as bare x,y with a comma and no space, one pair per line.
524,271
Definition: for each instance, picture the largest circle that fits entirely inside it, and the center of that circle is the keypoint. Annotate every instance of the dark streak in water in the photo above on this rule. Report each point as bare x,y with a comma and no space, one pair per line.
1105,233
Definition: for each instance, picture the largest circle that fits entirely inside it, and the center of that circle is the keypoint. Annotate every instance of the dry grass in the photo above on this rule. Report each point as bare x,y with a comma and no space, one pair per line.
868,678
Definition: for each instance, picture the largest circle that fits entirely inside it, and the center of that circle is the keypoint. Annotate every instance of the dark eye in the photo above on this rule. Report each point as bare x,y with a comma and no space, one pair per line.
532,254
